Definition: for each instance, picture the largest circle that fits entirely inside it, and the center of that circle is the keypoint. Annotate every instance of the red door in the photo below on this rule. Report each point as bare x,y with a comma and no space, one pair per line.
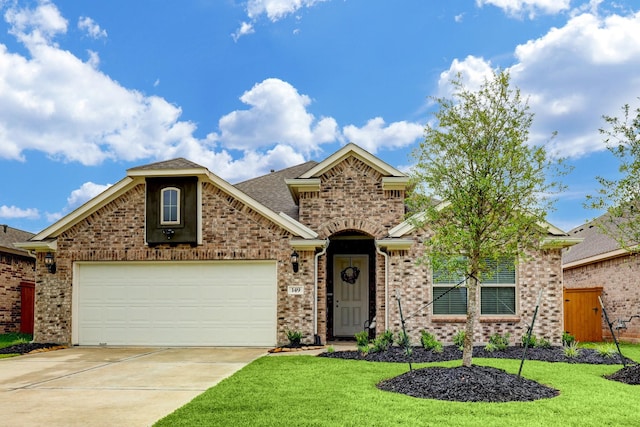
27,305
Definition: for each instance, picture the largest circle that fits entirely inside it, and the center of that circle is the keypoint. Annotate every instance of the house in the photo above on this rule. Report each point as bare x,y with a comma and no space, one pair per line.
174,255
600,268
17,275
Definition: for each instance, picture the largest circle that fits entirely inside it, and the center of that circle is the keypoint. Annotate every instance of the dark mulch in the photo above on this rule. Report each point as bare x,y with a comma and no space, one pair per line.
628,375
25,348
467,384
476,383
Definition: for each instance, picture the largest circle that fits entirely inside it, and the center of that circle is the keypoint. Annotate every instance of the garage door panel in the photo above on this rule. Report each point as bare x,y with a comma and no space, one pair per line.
224,303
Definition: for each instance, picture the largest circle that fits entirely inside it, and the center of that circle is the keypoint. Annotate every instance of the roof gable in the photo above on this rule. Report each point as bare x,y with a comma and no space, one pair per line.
136,176
9,236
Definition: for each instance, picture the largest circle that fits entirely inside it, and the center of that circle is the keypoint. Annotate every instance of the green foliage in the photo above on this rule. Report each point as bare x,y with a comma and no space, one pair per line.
458,339
383,342
607,350
7,340
621,197
429,342
362,342
567,338
543,343
294,338
571,350
501,342
529,341
476,160
331,349
490,347
404,341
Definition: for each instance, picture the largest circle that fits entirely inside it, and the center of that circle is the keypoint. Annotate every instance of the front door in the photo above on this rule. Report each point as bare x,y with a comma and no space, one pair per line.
351,294
582,314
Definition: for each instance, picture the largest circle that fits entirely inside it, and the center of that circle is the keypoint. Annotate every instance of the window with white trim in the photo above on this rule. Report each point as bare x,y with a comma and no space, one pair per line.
497,290
170,206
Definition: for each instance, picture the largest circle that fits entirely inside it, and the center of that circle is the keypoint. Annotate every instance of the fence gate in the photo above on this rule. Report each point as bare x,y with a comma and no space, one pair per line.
582,314
27,299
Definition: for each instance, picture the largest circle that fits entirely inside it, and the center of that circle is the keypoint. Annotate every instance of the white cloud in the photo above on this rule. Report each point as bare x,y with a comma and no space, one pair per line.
278,115
91,27
572,76
375,136
87,191
12,212
530,7
276,9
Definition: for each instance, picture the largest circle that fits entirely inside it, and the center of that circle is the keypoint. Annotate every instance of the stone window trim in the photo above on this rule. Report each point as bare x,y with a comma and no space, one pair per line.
170,212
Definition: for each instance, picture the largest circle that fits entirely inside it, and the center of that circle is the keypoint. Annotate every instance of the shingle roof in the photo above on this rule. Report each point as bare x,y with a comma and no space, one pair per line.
272,191
179,163
9,236
596,241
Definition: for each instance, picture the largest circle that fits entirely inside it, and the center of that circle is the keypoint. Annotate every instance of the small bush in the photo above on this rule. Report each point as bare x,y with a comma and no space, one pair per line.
429,342
294,338
383,342
543,343
330,349
490,347
531,341
567,338
501,342
607,350
571,350
404,341
362,342
458,339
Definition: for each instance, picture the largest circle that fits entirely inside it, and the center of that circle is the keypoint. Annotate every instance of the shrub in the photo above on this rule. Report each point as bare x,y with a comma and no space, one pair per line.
571,350
429,342
607,350
543,343
383,342
458,339
501,342
294,338
490,347
362,342
330,349
529,341
567,338
404,341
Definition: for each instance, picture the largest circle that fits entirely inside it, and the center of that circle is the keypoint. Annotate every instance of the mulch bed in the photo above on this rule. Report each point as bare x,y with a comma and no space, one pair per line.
30,348
479,383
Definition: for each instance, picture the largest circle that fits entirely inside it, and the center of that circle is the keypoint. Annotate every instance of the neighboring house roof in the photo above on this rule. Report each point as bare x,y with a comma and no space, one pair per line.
272,191
596,245
9,236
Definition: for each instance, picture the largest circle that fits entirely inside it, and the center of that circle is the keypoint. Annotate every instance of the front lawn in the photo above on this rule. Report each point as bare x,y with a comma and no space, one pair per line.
313,391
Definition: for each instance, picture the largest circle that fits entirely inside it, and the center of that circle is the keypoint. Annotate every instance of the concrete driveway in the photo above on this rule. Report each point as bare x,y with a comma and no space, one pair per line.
89,386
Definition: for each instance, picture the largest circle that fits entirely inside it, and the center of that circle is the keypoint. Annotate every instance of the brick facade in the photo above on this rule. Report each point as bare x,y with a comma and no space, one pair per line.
14,269
620,279
351,202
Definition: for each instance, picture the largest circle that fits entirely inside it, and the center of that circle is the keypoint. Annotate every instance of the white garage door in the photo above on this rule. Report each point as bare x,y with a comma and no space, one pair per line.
175,303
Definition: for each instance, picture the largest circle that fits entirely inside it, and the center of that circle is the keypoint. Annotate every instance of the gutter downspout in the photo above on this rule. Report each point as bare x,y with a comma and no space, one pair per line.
316,338
386,286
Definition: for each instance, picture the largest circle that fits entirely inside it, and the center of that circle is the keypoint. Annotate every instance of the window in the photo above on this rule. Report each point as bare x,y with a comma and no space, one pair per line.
170,203
497,290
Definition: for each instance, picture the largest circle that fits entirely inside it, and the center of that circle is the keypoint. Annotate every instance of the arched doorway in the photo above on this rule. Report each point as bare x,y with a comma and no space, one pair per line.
351,284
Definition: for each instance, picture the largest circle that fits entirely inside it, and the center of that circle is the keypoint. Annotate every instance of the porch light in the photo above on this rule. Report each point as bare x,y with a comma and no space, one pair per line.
50,262
294,261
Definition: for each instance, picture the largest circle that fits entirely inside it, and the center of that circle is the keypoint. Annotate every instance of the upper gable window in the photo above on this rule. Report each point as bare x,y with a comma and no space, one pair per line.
170,202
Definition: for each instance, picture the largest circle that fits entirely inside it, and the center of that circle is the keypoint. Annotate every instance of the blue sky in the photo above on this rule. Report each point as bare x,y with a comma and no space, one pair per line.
89,89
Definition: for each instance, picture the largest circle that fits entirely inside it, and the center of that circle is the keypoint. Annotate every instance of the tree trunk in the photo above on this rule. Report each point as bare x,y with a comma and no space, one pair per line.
472,310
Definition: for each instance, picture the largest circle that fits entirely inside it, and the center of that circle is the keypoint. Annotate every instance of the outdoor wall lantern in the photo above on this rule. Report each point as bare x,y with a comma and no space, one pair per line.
50,262
294,261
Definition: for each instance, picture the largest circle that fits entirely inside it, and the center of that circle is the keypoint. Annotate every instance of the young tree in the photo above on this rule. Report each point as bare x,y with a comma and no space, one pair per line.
479,187
621,197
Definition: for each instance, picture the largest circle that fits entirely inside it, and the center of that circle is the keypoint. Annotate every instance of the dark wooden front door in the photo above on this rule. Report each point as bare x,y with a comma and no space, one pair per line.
583,314
27,305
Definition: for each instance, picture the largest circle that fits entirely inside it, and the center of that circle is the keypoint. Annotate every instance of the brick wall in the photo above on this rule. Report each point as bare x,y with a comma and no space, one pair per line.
230,231
13,270
620,280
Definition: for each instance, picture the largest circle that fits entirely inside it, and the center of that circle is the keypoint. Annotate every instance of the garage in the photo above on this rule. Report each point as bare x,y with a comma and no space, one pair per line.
223,303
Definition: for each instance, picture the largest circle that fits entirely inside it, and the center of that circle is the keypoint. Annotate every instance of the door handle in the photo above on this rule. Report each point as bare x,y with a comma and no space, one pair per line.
595,309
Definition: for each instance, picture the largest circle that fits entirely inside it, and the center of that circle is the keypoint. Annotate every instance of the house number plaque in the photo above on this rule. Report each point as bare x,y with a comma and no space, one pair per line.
296,290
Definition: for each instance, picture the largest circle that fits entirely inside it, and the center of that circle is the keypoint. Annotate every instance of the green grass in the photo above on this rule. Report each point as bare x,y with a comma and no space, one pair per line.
7,340
312,391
